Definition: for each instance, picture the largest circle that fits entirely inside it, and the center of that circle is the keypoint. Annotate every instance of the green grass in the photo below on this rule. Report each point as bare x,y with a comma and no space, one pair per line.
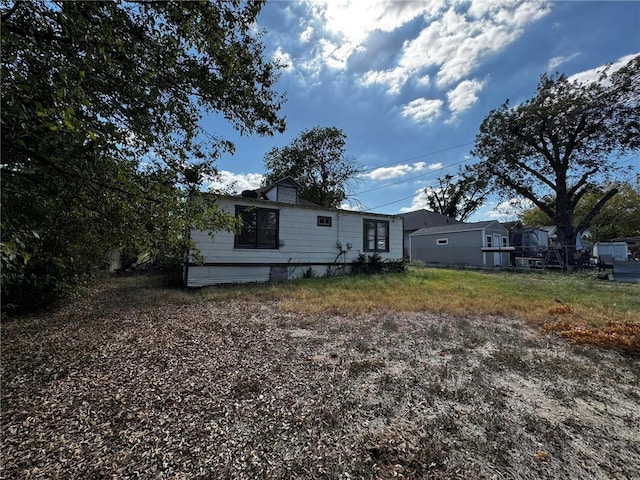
535,298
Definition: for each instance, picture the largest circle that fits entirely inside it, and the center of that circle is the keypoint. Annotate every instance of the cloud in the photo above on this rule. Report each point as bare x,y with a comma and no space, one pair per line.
306,35
393,79
230,182
593,75
455,36
283,58
464,95
418,202
422,110
455,42
557,61
385,173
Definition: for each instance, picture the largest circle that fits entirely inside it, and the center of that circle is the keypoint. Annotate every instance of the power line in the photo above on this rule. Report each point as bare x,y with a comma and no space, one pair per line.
419,156
412,178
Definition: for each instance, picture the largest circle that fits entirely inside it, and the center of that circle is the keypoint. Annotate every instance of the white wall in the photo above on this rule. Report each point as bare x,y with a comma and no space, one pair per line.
303,244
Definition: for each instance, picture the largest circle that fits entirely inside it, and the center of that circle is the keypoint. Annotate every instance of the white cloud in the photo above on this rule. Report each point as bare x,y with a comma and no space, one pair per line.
385,173
284,59
453,42
230,182
418,202
592,75
394,79
306,35
464,95
422,110
557,61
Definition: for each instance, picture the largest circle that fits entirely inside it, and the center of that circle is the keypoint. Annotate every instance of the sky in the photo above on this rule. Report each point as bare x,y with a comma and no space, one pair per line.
409,82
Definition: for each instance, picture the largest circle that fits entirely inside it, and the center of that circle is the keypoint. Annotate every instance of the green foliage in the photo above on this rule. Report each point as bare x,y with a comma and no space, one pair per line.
458,197
101,144
619,217
556,147
373,264
316,160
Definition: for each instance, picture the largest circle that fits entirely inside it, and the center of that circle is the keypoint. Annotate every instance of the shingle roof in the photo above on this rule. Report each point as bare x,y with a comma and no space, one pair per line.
425,218
460,227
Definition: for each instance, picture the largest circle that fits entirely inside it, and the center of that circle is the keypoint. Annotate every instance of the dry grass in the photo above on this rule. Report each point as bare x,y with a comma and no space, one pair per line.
136,380
578,307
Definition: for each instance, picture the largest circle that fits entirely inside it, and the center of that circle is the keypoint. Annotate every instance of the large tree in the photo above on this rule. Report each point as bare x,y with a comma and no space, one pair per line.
556,147
619,217
101,141
315,159
457,197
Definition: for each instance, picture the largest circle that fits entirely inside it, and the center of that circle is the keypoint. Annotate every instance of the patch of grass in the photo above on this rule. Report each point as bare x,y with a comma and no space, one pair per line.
580,306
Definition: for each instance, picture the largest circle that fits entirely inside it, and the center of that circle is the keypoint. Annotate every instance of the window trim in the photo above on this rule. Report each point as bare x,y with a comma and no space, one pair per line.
324,221
240,209
375,235
442,241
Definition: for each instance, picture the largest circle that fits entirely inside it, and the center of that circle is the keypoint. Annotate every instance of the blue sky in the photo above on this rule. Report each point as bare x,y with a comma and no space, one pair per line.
410,82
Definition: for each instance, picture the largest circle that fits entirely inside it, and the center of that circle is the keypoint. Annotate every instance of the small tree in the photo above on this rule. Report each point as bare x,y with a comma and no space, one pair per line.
316,160
457,197
554,148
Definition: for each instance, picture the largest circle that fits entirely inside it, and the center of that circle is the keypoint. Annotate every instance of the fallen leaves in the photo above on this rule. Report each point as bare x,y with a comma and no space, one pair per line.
616,335
115,387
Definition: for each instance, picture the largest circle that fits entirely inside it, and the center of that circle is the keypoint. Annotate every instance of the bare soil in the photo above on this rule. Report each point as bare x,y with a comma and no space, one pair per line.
116,387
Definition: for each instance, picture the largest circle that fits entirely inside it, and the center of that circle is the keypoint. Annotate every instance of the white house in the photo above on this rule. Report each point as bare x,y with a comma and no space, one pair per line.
286,237
482,244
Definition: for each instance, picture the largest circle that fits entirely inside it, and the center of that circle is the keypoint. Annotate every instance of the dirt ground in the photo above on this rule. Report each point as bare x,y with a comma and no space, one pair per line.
240,390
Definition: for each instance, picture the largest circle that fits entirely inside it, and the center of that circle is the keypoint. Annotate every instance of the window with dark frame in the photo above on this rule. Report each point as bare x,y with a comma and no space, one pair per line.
376,235
324,221
259,228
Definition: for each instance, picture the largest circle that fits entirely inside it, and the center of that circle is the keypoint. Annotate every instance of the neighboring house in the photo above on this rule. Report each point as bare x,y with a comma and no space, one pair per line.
414,221
285,237
482,244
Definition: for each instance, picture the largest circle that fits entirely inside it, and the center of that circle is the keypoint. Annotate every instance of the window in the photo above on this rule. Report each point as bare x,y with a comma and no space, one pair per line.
324,221
287,194
442,241
376,235
259,228
489,241
504,241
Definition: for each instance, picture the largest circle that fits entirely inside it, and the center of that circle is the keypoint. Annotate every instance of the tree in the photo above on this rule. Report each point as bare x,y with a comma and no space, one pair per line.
558,146
619,217
457,197
316,160
101,143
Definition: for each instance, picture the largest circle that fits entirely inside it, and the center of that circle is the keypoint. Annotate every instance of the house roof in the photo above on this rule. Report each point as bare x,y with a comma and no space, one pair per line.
460,227
425,218
261,192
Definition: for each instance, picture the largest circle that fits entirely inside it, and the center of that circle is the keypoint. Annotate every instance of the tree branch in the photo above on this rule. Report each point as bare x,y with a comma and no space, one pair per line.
5,16
586,221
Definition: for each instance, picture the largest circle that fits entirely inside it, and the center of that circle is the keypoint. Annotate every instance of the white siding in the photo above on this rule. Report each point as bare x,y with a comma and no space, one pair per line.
302,244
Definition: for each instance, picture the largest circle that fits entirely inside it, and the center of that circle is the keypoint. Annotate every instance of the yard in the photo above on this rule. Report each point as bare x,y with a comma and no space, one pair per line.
428,374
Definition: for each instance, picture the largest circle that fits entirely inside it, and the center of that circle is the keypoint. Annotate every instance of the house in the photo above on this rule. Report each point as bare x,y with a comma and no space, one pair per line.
283,236
414,221
481,244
